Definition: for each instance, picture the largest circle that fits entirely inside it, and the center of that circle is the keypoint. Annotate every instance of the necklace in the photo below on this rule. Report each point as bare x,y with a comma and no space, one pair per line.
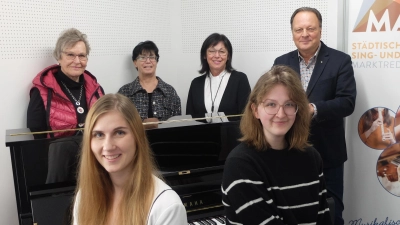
79,109
213,100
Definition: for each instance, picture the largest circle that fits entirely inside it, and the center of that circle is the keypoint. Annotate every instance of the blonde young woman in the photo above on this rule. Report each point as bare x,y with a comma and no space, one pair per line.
274,176
117,182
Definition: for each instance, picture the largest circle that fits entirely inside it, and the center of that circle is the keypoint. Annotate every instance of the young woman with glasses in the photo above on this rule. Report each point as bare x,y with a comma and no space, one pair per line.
274,176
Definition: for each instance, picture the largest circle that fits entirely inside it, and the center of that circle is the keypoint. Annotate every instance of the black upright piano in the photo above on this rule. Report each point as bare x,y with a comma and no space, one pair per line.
190,157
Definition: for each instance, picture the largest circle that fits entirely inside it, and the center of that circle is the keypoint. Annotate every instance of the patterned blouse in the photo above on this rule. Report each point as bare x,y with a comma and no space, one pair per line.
165,101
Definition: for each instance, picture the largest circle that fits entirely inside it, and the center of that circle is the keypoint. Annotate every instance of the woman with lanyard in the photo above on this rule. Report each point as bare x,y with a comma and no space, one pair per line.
220,88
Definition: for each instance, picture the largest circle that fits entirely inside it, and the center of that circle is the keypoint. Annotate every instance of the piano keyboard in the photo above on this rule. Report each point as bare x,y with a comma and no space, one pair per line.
214,220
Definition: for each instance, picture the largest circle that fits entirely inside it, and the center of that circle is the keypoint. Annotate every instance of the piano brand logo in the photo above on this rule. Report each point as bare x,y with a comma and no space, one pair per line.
378,16
192,204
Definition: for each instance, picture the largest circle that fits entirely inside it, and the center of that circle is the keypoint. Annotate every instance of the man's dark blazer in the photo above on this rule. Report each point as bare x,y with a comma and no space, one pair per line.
332,88
233,100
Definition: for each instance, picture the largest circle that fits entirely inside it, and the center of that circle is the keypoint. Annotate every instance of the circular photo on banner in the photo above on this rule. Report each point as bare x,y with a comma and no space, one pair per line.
376,128
388,169
397,125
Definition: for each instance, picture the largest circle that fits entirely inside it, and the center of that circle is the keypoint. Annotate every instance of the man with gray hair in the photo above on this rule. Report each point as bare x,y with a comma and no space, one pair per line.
327,77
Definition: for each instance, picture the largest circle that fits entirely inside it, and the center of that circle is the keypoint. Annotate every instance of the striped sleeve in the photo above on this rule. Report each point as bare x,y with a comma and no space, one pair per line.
246,196
324,216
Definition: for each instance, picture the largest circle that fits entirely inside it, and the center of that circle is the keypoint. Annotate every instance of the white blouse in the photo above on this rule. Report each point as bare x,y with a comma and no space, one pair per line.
214,89
166,209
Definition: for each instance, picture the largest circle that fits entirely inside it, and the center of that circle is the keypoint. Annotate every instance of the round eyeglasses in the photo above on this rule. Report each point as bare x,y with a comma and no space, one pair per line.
272,107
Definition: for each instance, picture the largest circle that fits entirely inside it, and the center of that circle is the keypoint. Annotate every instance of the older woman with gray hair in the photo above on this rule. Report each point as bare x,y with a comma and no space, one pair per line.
63,93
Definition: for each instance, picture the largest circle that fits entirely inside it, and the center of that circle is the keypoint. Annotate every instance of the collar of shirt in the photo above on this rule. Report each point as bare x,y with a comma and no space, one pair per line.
219,75
312,59
136,87
60,76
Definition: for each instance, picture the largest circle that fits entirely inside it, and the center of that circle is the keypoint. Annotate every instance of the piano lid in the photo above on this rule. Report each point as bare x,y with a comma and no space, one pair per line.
42,165
14,136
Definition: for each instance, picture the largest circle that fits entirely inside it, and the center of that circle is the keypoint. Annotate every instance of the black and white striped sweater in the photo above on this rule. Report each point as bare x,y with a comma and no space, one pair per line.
274,187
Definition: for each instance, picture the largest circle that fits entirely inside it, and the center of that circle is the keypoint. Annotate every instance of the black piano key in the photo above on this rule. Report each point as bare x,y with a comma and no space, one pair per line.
222,219
209,220
202,222
206,221
218,219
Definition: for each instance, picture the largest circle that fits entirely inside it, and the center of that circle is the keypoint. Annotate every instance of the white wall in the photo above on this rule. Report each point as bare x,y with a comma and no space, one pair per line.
259,31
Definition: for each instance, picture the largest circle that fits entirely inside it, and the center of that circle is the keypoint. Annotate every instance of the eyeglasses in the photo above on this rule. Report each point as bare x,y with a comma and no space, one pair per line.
213,52
72,56
309,30
272,107
144,58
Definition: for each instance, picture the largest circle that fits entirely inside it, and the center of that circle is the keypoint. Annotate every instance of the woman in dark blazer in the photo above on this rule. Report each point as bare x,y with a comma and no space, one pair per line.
220,88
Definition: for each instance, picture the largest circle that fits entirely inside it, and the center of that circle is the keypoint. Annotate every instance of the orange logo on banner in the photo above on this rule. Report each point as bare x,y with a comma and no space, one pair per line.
378,16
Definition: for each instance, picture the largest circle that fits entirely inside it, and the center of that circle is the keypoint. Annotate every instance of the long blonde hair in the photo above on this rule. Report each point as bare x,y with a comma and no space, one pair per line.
94,185
251,127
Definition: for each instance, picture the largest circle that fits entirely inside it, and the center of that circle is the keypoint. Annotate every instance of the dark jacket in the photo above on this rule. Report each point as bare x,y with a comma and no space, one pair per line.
332,88
233,100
